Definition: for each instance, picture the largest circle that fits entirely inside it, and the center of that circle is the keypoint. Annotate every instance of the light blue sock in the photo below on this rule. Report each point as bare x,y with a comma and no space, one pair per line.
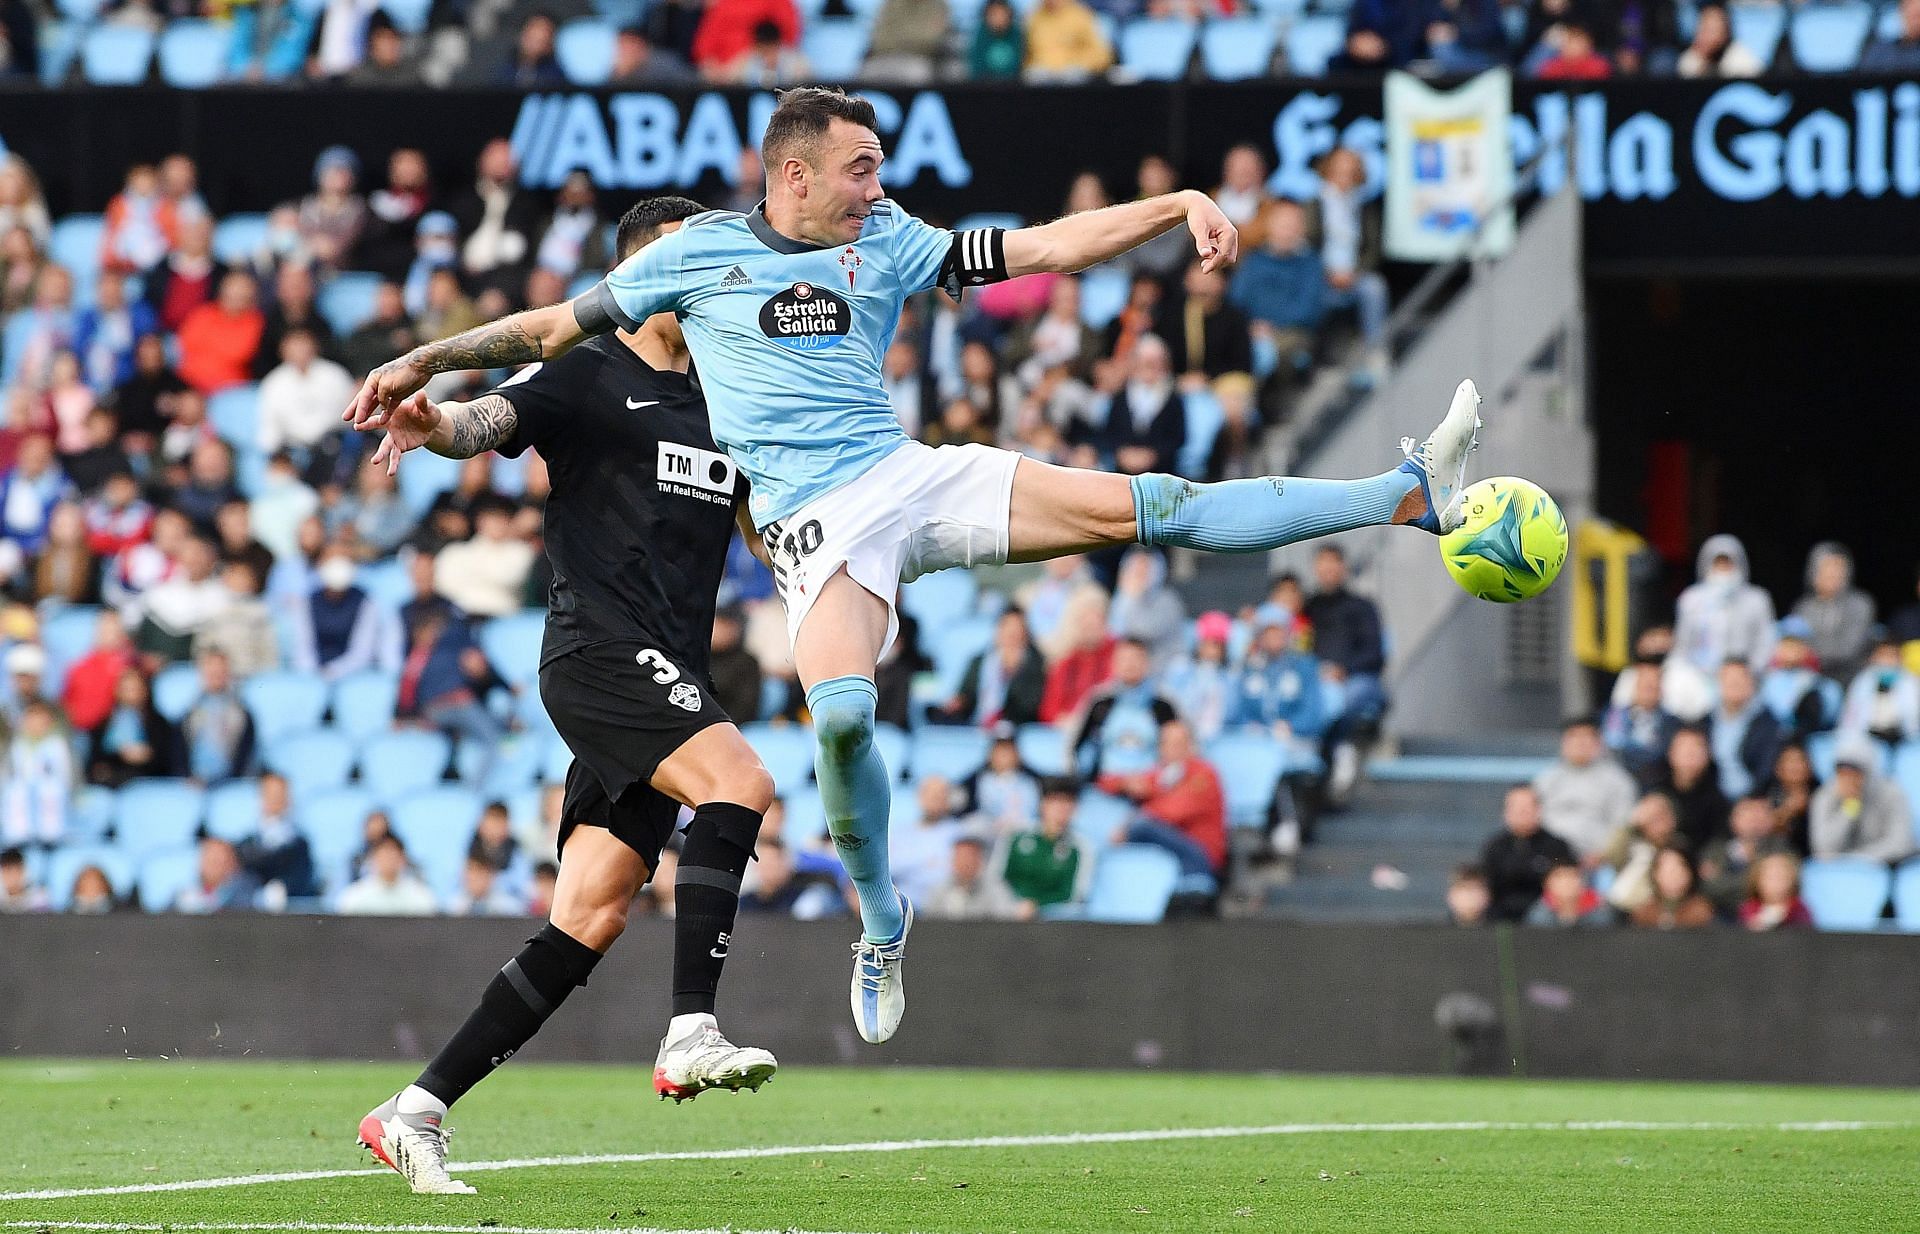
857,795
1250,516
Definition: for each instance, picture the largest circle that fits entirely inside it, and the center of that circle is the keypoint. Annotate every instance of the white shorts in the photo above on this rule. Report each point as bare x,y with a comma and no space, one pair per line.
920,509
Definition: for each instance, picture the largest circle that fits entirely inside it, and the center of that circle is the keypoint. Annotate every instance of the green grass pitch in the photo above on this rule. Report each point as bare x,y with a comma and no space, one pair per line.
1719,1161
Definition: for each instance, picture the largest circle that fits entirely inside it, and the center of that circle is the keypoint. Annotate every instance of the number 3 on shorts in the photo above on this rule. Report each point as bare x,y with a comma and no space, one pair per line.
663,672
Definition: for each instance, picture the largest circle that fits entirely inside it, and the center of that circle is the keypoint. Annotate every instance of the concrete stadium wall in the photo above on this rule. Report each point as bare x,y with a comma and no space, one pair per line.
1243,996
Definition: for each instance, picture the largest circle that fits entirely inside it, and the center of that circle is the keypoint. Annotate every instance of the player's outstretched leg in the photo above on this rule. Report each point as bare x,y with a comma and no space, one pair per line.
694,1055
1243,516
857,797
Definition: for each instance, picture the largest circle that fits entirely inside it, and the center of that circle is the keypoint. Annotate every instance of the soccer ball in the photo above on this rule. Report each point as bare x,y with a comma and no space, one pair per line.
1512,544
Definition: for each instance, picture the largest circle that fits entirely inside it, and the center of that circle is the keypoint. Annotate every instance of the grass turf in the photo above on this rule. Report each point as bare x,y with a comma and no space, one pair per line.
82,1124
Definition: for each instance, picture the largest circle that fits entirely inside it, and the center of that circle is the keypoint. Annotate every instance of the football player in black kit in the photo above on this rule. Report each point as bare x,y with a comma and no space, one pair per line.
642,508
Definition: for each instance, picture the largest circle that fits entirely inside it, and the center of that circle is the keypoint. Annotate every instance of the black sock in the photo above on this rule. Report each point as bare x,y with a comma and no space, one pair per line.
516,1003
706,895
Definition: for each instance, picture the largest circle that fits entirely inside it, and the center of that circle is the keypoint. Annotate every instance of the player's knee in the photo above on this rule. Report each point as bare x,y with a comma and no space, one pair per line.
753,788
597,923
843,726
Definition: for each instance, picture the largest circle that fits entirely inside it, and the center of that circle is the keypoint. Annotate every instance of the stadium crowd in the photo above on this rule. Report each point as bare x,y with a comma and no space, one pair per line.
205,581
1735,748
551,44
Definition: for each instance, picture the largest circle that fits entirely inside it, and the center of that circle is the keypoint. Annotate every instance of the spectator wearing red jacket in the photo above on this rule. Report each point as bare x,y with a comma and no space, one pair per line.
1576,60
88,694
1773,895
1183,807
726,31
219,340
1087,663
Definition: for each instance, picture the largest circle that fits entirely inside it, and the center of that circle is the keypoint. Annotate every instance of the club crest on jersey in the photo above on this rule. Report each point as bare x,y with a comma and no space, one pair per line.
685,696
850,262
689,471
806,317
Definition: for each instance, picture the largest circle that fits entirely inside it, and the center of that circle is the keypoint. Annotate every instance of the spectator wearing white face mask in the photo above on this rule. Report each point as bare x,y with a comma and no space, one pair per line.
340,629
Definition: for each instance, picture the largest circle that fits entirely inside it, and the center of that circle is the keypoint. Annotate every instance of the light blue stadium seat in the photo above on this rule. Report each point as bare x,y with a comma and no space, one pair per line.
513,644
90,814
1906,896
1157,49
116,55
1043,749
964,15
347,300
1237,48
403,761
1103,293
152,815
555,762
175,689
954,643
235,414
233,810
622,13
896,750
409,16
59,48
533,713
66,634
425,477
1827,37
1286,9
287,54
67,862
835,47
806,817
1602,880
163,876
1845,893
1204,420
437,825
334,824
949,750
283,702
938,598
1312,41
1906,773
1758,28
787,751
1132,884
515,764
387,581
584,48
1886,27
79,10
1250,765
313,762
237,237
75,244
1097,816
362,704
990,218
194,53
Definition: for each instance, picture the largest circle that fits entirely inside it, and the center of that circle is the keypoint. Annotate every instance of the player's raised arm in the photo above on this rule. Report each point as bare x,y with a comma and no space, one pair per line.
522,338
1071,244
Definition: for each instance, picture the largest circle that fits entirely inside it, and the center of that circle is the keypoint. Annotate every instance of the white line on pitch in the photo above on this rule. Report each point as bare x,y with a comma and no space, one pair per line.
989,1141
341,1227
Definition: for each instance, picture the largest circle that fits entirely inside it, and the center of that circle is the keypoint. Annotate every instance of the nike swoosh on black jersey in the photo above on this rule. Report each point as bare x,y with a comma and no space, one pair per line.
633,406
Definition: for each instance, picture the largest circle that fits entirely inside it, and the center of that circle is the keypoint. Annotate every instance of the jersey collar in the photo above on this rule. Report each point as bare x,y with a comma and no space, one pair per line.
765,233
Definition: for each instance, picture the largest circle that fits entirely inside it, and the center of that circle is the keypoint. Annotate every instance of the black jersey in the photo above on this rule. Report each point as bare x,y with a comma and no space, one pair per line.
642,505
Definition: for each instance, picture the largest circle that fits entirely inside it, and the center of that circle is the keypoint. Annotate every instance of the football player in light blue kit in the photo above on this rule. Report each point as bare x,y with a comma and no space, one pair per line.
788,310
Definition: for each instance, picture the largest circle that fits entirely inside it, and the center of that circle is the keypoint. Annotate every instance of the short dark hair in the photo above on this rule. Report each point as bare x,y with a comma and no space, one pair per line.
1059,786
1579,721
12,857
641,224
804,115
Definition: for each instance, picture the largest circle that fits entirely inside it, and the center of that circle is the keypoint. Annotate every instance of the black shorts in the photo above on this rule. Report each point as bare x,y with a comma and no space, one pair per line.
622,708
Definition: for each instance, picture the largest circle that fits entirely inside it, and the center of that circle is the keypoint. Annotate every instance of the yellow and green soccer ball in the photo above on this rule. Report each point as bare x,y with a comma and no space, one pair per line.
1512,544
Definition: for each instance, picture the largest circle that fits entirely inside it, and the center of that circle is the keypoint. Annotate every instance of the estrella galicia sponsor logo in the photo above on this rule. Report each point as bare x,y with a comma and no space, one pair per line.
806,317
689,471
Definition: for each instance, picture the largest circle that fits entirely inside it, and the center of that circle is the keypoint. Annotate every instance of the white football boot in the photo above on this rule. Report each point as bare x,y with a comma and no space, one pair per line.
702,1058
1440,462
879,989
413,1146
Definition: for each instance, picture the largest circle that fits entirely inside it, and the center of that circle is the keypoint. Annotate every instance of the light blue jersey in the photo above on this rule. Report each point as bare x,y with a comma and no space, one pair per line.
788,336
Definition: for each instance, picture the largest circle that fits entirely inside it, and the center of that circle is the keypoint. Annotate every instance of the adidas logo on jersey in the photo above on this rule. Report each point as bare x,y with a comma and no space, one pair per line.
735,277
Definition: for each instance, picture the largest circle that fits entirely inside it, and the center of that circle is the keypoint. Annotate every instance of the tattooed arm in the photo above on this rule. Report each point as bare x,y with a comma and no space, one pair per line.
536,334
451,430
